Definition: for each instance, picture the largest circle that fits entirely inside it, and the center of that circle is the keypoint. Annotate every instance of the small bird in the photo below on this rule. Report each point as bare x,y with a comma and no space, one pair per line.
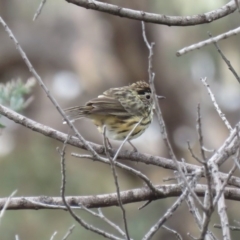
119,109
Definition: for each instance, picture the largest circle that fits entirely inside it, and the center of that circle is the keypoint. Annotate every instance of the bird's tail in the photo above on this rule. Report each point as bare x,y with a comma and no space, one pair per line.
76,113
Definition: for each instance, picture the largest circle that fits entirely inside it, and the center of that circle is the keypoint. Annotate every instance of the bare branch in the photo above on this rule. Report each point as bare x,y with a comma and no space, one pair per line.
230,67
114,172
105,219
107,200
6,204
221,201
125,140
224,184
194,210
39,10
220,113
77,218
178,236
101,215
122,166
213,164
199,131
228,148
160,118
192,237
166,216
233,228
206,216
192,153
200,221
190,188
208,205
208,41
69,232
53,235
155,98
157,18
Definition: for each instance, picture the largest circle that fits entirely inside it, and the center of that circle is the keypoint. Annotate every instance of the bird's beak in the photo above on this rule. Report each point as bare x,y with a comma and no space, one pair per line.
161,97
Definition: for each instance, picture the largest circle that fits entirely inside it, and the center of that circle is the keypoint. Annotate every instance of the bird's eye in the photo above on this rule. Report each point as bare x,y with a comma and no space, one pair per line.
147,96
141,92
144,91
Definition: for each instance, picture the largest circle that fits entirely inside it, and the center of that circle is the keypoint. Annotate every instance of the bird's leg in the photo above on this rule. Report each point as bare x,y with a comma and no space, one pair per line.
134,148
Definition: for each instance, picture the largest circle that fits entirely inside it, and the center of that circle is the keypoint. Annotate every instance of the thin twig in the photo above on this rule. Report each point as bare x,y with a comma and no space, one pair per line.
212,235
194,210
220,200
209,185
125,140
39,10
53,235
112,224
166,216
122,166
237,4
178,236
156,104
114,172
237,155
208,149
192,153
233,228
69,232
192,237
208,41
150,49
199,131
49,206
160,118
105,219
230,67
208,205
237,222
206,216
144,204
80,206
6,205
224,184
190,188
219,111
78,219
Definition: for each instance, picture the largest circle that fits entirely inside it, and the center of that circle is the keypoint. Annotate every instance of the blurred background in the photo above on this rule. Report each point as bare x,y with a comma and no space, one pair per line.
80,53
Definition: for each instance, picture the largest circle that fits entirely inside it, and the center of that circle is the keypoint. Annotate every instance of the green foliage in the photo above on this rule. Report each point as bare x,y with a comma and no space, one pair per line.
12,94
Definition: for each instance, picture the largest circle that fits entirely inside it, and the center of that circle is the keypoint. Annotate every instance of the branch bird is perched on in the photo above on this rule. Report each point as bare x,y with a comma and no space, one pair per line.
119,109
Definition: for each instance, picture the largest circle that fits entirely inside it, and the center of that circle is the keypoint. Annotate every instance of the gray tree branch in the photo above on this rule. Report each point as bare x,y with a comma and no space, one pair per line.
228,148
157,18
108,200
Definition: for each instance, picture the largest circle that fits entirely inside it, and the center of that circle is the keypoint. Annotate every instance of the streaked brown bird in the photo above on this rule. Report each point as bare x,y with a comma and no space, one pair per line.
119,109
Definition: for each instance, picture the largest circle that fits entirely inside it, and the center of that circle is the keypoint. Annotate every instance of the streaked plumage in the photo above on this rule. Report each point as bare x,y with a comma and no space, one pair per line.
120,109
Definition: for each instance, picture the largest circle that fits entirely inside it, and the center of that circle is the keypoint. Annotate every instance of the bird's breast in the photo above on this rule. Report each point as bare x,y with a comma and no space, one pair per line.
118,128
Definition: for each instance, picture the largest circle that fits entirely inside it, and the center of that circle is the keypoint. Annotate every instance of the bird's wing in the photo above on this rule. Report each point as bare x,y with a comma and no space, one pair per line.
107,105
111,102
129,101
